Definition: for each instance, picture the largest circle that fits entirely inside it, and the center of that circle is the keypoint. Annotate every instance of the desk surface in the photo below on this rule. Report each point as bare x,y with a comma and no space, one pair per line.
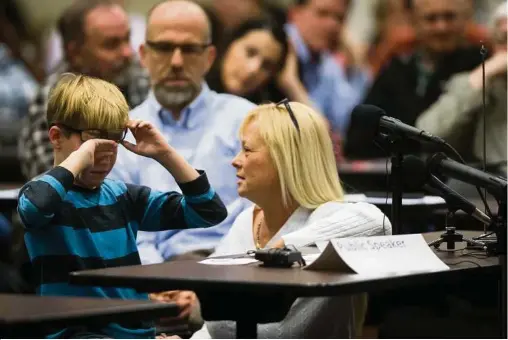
191,275
27,310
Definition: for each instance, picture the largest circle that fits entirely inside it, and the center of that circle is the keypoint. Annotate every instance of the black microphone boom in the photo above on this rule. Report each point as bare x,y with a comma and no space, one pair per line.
376,120
417,175
495,185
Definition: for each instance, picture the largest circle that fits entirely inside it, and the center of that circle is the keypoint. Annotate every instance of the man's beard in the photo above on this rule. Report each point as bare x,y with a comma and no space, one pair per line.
175,96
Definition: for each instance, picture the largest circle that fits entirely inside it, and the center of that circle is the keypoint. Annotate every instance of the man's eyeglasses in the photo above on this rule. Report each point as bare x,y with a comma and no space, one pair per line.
114,135
169,47
285,102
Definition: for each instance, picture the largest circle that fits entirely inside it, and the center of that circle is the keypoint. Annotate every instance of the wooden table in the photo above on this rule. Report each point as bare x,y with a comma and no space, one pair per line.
235,287
28,315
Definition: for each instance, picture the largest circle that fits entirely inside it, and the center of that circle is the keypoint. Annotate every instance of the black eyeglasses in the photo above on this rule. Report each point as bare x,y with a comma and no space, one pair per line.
169,47
114,135
285,101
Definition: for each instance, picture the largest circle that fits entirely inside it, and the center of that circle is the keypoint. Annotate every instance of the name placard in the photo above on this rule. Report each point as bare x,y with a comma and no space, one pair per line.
378,255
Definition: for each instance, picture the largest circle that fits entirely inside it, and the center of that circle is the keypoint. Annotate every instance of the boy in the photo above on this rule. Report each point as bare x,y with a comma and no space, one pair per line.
75,219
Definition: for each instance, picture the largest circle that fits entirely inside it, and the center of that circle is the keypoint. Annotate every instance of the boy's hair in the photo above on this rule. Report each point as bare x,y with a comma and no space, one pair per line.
83,102
304,159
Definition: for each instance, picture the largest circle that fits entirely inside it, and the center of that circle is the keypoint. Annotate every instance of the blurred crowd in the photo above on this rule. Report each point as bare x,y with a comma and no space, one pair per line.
416,59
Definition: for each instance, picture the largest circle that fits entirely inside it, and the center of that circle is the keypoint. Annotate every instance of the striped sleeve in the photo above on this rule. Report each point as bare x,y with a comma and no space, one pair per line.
198,207
39,199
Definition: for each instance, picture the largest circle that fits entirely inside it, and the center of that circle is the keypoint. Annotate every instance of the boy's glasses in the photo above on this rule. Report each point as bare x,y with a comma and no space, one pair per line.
285,102
114,135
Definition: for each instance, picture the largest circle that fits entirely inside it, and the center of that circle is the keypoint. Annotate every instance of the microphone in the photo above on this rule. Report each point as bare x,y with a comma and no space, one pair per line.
376,121
417,175
495,185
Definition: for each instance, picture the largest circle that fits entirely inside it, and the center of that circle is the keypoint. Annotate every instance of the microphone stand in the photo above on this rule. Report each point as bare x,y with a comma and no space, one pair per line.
396,176
499,227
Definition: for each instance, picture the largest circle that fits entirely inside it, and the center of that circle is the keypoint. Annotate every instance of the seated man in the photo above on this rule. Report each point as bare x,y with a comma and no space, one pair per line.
458,113
411,83
95,36
200,123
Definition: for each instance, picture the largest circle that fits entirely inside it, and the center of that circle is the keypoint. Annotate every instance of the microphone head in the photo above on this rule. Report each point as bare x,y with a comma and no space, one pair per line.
415,172
368,116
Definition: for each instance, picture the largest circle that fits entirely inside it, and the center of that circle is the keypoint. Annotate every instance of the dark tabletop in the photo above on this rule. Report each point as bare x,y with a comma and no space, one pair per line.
30,310
191,275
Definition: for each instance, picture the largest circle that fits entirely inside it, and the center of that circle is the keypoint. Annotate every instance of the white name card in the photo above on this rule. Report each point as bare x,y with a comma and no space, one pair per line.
378,255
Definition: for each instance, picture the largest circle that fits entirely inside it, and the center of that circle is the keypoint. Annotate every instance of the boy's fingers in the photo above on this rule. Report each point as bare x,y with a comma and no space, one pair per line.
129,146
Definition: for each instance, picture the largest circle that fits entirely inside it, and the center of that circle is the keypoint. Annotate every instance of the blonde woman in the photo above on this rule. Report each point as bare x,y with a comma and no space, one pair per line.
287,169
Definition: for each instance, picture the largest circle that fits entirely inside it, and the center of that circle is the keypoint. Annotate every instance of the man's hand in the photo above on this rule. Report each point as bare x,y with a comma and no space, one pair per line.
497,64
89,153
184,299
149,141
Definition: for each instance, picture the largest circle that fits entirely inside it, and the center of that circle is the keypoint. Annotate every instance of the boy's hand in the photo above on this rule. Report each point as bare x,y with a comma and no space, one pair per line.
95,149
88,153
149,141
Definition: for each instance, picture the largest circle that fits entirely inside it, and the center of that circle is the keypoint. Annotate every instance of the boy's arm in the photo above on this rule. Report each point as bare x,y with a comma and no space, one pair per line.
40,199
198,207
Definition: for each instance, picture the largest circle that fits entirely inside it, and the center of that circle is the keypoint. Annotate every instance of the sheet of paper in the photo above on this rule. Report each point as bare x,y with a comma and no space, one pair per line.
379,255
329,259
11,194
228,262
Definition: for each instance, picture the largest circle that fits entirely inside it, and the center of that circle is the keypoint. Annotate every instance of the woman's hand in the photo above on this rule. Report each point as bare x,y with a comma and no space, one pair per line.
288,76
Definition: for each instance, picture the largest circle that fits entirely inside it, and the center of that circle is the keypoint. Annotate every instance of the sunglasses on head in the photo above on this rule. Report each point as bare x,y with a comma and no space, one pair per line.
285,102
87,134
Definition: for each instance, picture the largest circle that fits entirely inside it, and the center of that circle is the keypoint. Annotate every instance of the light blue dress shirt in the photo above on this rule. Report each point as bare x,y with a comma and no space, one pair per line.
207,136
326,82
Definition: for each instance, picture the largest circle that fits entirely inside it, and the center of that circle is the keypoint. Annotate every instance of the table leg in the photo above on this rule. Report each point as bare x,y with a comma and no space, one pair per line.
246,330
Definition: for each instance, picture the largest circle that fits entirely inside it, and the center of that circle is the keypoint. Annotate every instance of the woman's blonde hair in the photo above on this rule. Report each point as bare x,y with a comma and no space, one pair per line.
82,102
303,157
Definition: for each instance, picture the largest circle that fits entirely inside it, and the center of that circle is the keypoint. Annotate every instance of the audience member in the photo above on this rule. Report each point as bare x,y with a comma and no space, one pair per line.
16,32
233,13
75,219
17,91
287,170
251,59
198,122
54,44
409,84
457,114
314,25
96,42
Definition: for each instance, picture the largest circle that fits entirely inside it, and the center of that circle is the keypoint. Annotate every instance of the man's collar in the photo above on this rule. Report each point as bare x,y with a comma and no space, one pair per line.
190,115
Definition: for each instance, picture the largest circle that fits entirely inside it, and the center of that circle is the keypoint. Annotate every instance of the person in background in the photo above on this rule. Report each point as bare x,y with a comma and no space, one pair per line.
410,83
458,113
200,123
76,219
54,44
313,26
233,13
287,170
251,60
96,42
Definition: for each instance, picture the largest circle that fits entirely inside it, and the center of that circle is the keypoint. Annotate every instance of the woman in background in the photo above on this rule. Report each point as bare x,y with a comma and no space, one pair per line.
256,58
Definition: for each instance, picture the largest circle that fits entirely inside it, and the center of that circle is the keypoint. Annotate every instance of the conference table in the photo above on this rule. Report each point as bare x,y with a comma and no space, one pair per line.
28,316
252,294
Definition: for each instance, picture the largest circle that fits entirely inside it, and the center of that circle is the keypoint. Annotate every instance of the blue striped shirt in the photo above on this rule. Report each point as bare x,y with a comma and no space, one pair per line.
70,228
